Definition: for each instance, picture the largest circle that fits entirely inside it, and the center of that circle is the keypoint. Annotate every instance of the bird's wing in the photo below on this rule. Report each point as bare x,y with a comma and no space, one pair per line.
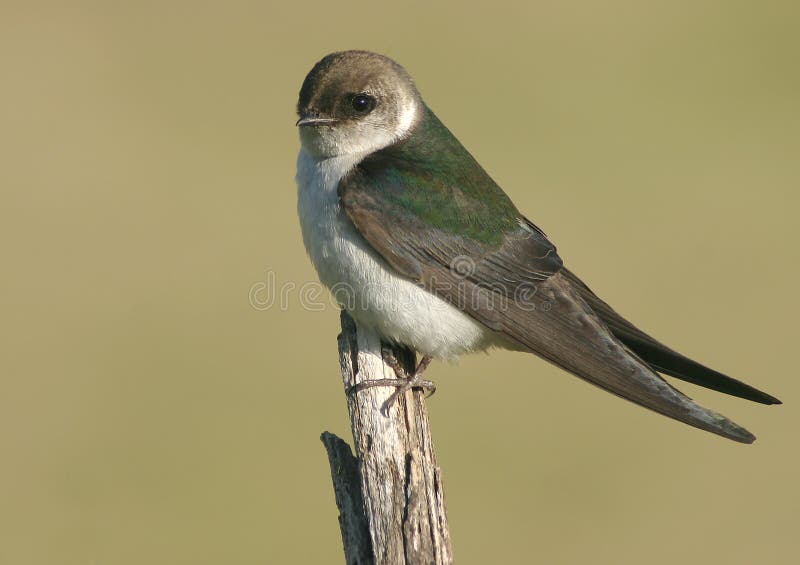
660,357
449,212
522,258
513,286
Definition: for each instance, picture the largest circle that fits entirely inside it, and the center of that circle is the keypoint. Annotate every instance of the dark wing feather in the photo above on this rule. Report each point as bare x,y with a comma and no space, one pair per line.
660,357
514,287
523,258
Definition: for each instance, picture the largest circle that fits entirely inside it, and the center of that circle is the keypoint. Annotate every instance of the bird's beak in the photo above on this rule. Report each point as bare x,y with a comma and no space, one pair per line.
314,121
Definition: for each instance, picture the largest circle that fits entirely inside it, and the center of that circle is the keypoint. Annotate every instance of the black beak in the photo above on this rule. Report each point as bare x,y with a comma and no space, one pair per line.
314,121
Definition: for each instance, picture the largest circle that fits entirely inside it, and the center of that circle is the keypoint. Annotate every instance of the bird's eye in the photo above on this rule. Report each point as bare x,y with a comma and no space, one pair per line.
362,103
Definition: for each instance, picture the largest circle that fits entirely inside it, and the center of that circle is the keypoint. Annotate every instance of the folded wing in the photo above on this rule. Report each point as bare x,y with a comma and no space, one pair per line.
516,286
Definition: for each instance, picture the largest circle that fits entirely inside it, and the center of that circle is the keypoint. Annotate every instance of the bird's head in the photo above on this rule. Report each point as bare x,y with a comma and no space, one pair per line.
356,102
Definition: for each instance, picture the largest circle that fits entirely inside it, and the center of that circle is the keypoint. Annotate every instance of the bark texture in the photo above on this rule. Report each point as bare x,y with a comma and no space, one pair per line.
401,493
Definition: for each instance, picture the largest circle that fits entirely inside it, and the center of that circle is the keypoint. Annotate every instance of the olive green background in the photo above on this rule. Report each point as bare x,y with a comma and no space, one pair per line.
155,408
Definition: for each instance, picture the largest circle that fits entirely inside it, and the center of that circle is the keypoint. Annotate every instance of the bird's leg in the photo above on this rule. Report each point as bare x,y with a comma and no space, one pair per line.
414,381
390,359
403,382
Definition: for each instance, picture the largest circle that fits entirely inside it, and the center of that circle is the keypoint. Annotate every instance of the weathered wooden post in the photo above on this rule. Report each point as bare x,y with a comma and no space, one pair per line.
390,495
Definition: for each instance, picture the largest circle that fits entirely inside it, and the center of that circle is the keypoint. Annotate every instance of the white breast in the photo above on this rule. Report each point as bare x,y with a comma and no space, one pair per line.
361,280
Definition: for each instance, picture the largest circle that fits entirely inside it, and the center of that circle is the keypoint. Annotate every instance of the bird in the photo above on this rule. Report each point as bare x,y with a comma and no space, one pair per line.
416,241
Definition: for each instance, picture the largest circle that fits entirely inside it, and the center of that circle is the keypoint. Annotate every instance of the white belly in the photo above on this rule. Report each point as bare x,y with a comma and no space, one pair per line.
363,283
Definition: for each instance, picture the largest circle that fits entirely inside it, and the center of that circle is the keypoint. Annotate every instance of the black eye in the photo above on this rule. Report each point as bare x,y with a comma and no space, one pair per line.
362,103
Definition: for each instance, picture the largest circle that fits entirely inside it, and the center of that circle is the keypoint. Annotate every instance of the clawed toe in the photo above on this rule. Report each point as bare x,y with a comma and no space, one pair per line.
403,382
364,385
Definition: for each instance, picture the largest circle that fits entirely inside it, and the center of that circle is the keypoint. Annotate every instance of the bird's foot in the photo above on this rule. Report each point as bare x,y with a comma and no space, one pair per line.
403,382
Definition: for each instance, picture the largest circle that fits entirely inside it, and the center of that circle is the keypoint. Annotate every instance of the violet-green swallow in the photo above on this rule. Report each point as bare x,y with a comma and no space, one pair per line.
417,242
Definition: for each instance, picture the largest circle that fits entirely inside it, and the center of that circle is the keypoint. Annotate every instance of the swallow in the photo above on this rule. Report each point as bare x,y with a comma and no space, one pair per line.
417,242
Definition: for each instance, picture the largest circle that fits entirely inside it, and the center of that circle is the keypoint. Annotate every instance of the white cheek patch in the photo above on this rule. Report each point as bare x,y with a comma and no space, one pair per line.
362,138
408,113
374,138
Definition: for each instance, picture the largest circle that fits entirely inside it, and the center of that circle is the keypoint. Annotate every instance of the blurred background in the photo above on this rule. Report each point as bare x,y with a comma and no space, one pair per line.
159,406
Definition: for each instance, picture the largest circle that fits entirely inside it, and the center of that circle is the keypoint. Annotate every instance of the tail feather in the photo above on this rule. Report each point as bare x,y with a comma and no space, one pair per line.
569,334
664,360
660,357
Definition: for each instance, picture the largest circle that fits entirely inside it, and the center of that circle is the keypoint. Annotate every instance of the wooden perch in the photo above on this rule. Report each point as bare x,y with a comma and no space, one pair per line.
392,489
